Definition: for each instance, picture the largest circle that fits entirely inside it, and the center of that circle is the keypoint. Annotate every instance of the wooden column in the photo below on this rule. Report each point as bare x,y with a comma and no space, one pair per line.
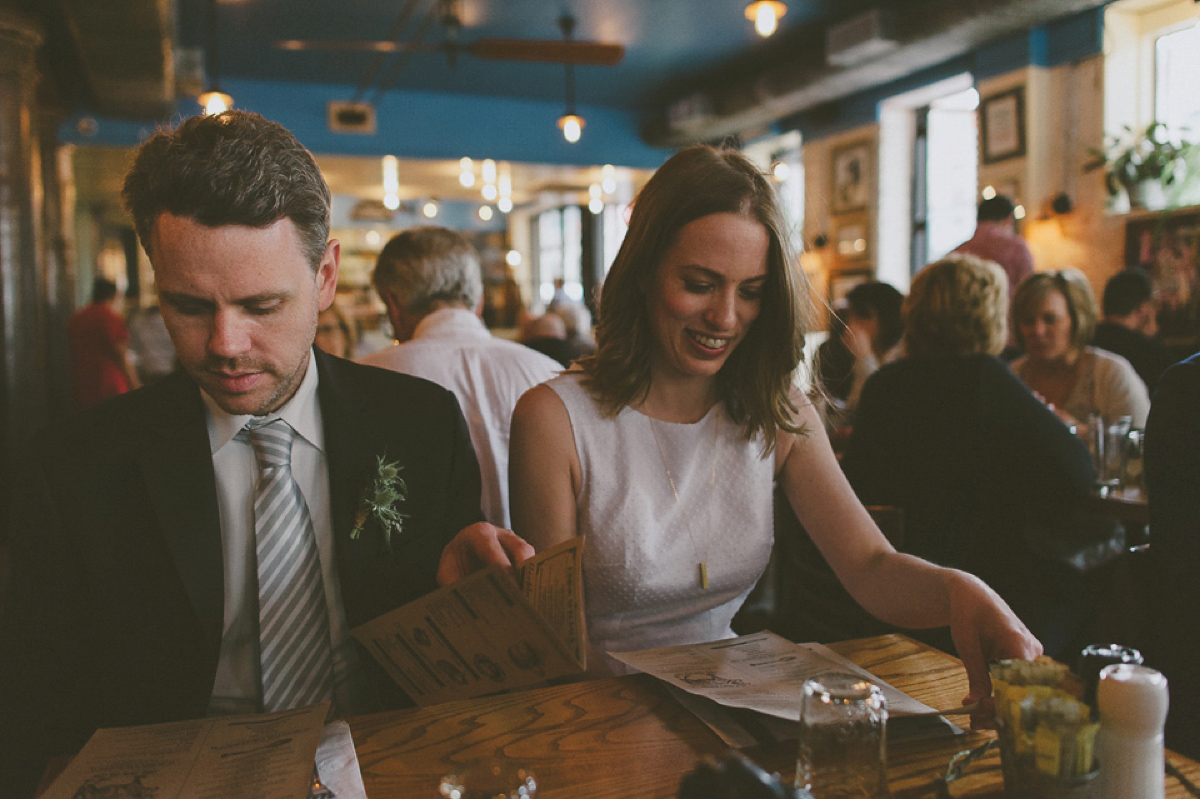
22,371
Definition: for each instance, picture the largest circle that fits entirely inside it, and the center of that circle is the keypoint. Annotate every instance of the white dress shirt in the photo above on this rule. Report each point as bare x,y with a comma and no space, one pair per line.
454,349
238,686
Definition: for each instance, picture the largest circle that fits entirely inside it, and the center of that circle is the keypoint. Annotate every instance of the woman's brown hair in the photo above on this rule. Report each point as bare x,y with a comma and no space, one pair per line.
755,384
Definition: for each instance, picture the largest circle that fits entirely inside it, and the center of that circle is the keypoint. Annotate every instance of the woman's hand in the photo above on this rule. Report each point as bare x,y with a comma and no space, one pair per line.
984,629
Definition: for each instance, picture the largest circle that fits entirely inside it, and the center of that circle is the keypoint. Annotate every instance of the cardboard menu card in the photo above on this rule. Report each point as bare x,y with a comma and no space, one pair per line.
487,632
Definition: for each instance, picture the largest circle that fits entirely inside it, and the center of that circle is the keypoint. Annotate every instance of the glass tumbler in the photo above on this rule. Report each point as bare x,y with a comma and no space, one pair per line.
491,778
843,738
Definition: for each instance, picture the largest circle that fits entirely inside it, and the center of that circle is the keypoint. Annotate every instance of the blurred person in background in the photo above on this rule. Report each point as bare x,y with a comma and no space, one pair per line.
151,345
98,342
996,240
548,335
431,281
978,465
1130,325
1054,314
336,332
874,329
1172,477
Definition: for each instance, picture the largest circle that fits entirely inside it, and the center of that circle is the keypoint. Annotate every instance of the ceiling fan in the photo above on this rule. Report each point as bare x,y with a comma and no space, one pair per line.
554,51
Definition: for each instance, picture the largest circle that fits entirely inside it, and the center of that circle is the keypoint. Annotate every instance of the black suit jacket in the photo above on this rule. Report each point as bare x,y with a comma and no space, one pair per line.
115,609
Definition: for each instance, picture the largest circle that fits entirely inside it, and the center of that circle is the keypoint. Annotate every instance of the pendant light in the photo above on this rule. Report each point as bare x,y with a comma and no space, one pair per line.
570,123
213,99
765,14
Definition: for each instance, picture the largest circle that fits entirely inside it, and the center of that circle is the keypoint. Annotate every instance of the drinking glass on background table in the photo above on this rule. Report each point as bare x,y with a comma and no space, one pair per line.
491,778
1116,448
843,738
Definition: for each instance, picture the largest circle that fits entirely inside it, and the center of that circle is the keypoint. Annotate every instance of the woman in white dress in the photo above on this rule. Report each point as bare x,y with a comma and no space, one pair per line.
1054,315
662,447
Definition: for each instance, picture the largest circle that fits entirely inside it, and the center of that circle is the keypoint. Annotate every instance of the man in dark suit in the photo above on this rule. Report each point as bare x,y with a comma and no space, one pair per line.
137,549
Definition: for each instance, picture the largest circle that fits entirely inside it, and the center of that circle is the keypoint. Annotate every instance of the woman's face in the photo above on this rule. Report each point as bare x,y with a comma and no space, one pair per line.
707,293
1046,327
330,336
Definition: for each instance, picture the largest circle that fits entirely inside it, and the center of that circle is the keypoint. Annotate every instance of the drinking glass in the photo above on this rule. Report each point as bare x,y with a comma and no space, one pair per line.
492,778
1116,447
843,738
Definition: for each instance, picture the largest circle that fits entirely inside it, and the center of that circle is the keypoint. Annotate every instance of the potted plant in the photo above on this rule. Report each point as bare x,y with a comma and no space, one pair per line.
1142,164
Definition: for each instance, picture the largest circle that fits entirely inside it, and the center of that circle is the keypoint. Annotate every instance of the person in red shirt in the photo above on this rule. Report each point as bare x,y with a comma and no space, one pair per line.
98,342
996,239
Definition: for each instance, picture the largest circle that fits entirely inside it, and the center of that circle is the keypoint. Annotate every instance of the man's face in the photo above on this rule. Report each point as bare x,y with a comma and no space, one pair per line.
241,306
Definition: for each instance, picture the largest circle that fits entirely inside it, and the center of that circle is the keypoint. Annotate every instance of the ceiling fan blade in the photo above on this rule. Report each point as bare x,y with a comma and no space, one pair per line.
355,45
554,51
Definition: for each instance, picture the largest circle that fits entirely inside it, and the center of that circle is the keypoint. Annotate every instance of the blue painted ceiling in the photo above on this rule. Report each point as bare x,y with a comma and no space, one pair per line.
666,42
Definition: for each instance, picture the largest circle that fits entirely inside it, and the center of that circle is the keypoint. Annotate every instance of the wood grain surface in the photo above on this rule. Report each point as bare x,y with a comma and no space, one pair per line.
625,738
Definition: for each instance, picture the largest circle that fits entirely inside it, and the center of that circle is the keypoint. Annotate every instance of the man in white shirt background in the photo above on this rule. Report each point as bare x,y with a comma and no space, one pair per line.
430,280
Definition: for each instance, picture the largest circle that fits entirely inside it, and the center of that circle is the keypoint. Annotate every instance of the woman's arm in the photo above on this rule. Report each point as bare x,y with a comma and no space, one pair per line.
543,469
894,587
1121,391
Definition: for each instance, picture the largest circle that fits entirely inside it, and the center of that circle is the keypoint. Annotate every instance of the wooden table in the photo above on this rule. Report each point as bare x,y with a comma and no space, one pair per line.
625,737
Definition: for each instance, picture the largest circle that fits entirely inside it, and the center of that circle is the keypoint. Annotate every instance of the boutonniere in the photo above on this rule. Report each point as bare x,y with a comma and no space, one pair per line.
379,499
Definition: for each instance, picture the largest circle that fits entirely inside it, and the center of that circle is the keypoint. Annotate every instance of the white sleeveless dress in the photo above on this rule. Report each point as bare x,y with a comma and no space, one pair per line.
641,563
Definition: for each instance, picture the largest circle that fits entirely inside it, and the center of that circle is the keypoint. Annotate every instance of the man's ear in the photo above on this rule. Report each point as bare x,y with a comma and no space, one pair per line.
327,274
390,302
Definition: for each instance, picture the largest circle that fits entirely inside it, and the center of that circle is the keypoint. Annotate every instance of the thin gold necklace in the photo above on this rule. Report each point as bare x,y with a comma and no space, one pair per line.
712,484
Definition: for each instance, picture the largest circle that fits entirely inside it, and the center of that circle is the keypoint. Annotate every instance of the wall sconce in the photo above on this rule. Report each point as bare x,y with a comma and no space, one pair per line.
765,14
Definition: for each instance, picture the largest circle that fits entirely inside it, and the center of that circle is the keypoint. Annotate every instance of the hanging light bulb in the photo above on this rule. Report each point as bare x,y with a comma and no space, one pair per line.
485,213
213,99
215,102
504,204
430,209
570,123
765,14
572,127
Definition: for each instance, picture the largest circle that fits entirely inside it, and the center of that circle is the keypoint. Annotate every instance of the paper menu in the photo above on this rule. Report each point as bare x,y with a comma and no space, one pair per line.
487,632
266,756
761,672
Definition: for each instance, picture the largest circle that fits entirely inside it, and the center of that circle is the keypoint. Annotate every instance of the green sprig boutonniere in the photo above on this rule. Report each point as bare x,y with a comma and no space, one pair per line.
379,501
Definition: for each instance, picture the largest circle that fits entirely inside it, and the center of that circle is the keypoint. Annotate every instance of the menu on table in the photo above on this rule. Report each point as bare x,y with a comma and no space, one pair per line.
268,756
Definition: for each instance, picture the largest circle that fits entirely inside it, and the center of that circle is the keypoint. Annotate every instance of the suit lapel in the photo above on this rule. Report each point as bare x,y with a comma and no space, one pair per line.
351,449
176,464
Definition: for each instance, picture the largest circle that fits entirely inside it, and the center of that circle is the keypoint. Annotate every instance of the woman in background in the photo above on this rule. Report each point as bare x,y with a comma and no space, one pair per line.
662,447
979,466
1055,314
336,333
874,328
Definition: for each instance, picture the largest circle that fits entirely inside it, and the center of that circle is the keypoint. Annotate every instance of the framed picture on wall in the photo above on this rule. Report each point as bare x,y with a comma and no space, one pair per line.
1002,125
851,241
851,183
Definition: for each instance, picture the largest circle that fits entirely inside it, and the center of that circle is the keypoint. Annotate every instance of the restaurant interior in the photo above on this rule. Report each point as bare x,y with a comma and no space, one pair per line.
529,126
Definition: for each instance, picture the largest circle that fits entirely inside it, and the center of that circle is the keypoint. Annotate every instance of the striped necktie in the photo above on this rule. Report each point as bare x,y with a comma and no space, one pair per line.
295,649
